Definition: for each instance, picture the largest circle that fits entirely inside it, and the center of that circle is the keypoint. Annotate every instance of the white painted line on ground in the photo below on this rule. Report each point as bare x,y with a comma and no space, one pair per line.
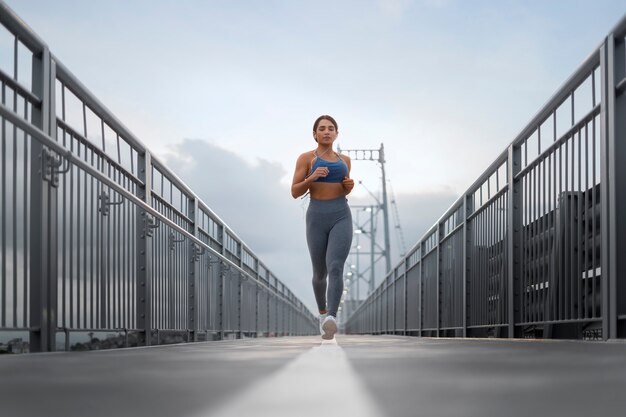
319,382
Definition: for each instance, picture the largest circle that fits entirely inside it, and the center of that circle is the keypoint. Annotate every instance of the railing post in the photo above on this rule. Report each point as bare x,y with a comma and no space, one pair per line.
618,137
467,207
145,224
613,154
194,275
239,289
220,284
256,310
393,301
43,215
438,274
220,298
256,298
240,305
405,260
420,289
514,225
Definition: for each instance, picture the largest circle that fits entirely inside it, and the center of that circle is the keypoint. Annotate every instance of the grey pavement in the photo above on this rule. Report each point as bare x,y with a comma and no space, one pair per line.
390,375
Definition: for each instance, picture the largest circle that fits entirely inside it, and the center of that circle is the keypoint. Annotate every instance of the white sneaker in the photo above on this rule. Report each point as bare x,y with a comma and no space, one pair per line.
329,327
321,318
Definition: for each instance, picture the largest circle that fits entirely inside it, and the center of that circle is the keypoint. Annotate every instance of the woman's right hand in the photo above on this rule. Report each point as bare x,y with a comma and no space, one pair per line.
320,172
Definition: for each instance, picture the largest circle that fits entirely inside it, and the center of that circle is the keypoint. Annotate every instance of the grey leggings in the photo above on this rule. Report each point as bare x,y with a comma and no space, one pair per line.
329,236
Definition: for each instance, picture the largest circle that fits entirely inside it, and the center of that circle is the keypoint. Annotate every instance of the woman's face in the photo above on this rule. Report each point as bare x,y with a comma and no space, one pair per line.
325,133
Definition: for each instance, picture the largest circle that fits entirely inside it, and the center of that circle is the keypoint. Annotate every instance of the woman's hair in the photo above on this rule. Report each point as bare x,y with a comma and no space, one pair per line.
324,117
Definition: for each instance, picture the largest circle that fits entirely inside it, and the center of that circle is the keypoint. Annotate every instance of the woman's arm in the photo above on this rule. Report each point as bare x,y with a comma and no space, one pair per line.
301,182
348,183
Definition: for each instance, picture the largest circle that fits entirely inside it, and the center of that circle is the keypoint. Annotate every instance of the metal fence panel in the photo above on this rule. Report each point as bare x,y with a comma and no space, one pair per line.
487,276
430,294
532,248
101,245
451,281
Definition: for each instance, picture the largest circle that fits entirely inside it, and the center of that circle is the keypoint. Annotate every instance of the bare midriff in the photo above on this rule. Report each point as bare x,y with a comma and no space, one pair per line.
326,190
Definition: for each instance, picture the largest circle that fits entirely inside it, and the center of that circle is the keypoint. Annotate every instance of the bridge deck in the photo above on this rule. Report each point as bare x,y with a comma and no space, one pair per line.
300,376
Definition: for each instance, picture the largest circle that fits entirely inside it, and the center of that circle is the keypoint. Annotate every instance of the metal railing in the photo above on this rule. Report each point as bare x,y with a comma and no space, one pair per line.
535,247
101,245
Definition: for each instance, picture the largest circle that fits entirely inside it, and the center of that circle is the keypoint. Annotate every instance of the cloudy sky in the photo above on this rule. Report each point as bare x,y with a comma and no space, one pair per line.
226,92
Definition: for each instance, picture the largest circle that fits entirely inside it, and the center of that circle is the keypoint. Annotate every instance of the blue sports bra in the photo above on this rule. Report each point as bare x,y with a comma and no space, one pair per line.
336,170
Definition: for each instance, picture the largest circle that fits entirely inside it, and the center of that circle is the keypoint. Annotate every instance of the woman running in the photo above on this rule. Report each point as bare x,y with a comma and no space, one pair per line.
325,174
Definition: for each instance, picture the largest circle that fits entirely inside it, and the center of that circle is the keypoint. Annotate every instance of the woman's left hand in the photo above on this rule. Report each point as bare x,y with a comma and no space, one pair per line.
348,184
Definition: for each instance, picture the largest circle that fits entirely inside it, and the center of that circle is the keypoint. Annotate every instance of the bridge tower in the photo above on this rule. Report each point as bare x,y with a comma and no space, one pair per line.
362,262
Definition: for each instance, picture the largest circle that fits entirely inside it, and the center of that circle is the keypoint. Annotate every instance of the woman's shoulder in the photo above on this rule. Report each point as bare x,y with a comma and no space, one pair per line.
308,155
343,156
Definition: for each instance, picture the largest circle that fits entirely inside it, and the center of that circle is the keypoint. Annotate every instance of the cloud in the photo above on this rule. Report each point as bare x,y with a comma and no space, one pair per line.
253,203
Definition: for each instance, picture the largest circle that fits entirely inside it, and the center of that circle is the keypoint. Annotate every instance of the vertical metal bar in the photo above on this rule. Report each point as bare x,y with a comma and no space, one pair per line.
528,247
525,250
471,263
93,242
566,233
15,57
99,255
43,261
543,247
116,247
130,260
561,239
571,227
109,250
488,223
84,247
534,232
484,220
64,210
587,219
525,153
405,295
502,259
505,261
26,231
124,237
71,221
486,240
144,251
550,240
493,230
476,268
556,268
523,233
4,222
480,263
161,255
591,190
579,252
613,152
14,220
421,288
495,276
605,176
194,295
119,247
514,225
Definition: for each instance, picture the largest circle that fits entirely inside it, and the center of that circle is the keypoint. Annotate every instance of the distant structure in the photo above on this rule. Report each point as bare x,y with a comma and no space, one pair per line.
367,250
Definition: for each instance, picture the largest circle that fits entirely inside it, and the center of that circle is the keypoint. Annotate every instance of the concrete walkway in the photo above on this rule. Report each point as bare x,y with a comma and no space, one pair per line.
301,376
